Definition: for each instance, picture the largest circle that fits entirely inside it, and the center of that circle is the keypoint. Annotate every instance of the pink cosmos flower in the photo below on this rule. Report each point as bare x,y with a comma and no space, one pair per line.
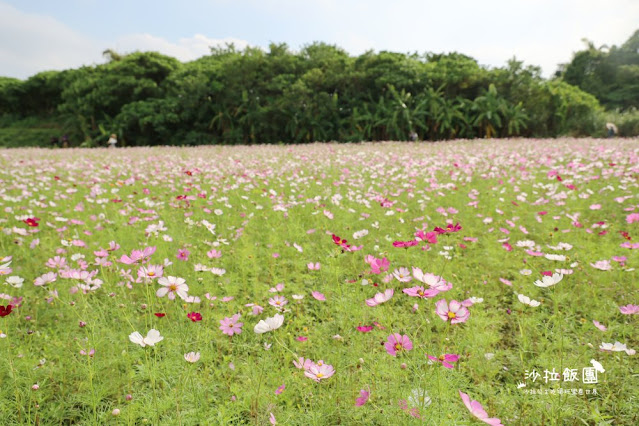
599,325
318,296
183,254
303,364
137,256
279,390
430,237
421,292
278,287
602,265
454,311
629,309
319,372
277,301
314,266
214,254
47,278
402,275
364,328
435,282
151,272
377,265
397,343
363,398
380,298
445,359
256,309
231,325
632,218
478,411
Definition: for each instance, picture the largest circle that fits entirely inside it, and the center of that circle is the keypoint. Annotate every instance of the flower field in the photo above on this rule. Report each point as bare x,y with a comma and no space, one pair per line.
355,284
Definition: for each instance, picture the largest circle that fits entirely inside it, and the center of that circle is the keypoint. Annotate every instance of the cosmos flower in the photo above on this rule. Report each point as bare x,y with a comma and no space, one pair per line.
319,372
397,343
548,281
445,359
363,398
478,411
616,347
269,324
402,275
152,337
421,292
629,309
172,286
453,311
47,278
192,357
231,326
528,301
380,298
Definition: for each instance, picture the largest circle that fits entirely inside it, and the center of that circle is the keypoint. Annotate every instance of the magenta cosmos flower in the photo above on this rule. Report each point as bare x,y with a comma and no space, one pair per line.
363,398
478,411
231,325
397,343
453,311
445,359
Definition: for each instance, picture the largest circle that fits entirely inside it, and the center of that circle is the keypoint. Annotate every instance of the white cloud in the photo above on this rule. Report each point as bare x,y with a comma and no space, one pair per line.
186,49
33,43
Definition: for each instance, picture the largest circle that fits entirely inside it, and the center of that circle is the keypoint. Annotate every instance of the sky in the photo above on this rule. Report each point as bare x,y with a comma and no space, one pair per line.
40,35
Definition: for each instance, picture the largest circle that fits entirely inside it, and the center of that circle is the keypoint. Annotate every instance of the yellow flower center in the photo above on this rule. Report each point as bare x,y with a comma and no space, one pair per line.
319,375
151,273
421,293
442,358
398,346
451,315
173,287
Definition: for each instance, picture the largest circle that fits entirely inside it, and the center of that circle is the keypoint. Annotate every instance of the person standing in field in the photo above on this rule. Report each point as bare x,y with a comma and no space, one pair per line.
612,130
112,140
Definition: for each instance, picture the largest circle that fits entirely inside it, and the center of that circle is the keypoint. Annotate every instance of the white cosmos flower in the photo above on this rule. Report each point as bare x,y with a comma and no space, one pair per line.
559,257
528,301
616,347
173,285
192,357
597,366
525,272
547,281
360,234
15,281
525,243
152,337
269,324
218,271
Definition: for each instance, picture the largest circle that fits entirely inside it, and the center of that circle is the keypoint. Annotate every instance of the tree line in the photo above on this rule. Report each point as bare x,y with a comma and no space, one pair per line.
319,93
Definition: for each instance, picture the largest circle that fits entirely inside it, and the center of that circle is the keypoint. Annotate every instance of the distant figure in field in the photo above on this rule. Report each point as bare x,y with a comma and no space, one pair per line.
612,130
54,141
112,140
65,141
413,136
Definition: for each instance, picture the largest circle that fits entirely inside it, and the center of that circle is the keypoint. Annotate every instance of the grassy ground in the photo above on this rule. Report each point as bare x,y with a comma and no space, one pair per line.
274,211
